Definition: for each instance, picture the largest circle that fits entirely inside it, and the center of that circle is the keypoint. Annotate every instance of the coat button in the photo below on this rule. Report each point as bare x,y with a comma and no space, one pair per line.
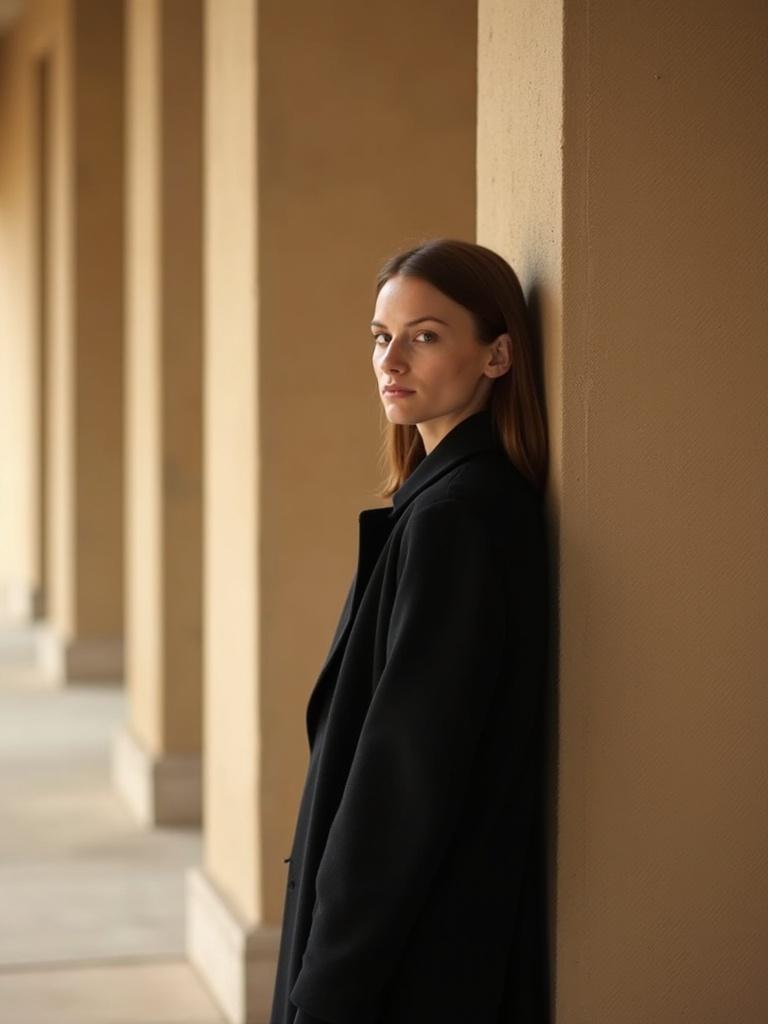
291,884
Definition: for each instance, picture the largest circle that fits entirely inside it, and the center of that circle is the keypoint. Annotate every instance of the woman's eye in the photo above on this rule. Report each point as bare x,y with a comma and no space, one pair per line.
428,336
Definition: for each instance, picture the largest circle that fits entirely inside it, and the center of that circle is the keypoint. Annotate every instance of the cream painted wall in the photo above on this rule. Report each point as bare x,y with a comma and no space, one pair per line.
655,320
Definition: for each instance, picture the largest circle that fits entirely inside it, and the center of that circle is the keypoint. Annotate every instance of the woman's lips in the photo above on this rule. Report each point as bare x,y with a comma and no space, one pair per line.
398,393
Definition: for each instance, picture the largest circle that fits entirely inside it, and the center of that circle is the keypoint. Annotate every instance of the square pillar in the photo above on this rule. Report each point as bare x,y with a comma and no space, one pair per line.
156,753
622,162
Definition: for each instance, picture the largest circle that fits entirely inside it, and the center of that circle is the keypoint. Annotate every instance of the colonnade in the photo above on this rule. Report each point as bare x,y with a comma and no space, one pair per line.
194,199
229,177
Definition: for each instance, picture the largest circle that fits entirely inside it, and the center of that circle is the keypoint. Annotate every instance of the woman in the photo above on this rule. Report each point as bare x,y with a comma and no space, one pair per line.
415,888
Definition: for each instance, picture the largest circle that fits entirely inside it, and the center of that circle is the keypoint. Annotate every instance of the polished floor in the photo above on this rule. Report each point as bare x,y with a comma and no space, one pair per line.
91,905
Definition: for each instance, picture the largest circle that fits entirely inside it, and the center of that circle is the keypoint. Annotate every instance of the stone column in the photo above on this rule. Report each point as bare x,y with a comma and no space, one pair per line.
622,162
156,755
26,116
333,138
84,374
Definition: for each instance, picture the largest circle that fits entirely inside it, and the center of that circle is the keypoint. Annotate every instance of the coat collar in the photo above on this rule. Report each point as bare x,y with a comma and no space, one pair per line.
475,433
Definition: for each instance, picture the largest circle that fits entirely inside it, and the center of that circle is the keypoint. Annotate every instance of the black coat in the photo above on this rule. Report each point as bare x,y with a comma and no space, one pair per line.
416,880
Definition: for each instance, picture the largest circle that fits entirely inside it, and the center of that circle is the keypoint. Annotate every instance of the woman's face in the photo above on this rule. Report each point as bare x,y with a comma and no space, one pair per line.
425,342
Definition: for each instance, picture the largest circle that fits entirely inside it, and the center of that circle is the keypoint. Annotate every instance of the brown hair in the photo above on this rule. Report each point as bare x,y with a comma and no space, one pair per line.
487,286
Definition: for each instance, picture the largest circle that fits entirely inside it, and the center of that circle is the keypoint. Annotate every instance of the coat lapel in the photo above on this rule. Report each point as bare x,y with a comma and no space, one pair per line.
475,433
375,526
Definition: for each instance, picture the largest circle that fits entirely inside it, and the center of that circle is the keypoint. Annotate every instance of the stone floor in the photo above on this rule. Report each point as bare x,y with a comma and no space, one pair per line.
91,905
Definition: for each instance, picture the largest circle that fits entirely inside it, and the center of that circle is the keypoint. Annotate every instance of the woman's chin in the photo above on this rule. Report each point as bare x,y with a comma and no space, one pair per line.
397,415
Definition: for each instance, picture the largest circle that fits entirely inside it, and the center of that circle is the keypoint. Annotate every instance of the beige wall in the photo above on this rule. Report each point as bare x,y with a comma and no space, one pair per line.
660,479
98,103
360,143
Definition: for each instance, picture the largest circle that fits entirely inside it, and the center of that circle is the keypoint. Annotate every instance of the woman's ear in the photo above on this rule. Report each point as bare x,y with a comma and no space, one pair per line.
501,356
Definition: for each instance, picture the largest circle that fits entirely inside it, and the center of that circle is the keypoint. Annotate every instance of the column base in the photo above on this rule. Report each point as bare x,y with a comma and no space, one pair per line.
164,790
20,603
238,964
80,660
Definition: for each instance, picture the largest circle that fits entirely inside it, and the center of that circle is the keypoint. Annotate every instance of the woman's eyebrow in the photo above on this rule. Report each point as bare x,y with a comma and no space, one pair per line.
377,323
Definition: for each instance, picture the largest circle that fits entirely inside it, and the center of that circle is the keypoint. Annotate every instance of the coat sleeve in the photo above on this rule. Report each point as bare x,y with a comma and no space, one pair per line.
408,777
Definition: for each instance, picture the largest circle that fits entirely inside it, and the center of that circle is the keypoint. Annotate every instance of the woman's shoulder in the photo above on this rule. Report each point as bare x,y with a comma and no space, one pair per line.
484,504
488,488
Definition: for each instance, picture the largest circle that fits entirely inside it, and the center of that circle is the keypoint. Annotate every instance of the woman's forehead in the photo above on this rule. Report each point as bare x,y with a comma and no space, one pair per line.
408,298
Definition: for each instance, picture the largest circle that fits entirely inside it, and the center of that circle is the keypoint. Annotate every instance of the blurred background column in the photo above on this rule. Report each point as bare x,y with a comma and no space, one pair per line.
32,100
156,755
81,367
61,335
336,133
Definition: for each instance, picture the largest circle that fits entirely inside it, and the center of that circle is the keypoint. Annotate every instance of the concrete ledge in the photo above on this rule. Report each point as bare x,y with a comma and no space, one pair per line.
91,660
164,790
238,964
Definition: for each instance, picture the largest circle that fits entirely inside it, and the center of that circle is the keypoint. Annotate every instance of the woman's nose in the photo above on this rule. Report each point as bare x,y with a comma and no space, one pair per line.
393,355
